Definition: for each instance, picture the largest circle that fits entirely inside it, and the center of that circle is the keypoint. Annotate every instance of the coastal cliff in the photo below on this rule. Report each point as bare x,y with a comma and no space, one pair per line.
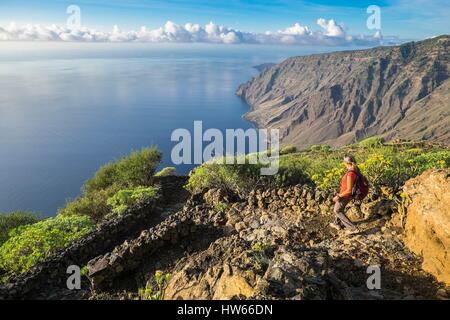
340,98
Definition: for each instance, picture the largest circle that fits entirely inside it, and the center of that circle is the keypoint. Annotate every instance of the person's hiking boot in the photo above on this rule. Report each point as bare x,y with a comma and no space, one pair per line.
336,226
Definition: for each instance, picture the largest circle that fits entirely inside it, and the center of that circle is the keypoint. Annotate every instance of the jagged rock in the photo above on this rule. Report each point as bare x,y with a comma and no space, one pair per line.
428,221
215,196
223,271
381,207
295,275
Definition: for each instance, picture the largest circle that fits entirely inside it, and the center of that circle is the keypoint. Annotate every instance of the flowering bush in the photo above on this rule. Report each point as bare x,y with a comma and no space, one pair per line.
384,165
388,167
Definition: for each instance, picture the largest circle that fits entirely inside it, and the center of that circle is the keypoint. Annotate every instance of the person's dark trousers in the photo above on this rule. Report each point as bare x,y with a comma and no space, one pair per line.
339,212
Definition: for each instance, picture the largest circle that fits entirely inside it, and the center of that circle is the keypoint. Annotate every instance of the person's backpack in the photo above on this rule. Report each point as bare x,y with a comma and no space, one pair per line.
361,187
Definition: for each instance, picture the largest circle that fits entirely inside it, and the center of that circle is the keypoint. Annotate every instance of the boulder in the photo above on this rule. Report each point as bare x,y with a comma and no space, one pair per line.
427,226
296,275
224,271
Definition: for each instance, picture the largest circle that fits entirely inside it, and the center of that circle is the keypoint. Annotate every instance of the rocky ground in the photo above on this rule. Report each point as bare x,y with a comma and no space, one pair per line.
270,244
277,244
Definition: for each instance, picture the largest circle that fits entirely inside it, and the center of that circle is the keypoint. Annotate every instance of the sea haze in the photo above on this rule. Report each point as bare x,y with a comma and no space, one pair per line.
66,109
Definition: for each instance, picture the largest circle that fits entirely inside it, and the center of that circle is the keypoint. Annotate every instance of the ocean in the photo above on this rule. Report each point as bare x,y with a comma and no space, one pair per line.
68,108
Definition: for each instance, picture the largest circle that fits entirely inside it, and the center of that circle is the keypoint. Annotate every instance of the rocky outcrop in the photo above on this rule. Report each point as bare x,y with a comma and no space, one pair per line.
224,271
279,246
427,229
342,97
232,269
274,244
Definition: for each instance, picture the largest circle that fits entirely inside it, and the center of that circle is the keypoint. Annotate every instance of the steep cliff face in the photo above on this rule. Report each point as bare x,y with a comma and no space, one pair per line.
339,98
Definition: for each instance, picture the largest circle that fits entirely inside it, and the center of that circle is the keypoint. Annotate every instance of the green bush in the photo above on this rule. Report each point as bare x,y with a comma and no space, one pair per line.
241,178
315,147
214,175
221,207
155,287
371,142
136,170
31,244
167,171
93,204
126,198
10,221
288,149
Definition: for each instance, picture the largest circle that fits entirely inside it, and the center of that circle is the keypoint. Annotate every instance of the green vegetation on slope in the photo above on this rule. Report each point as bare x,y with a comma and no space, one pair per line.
125,198
30,244
385,165
134,171
10,221
167,171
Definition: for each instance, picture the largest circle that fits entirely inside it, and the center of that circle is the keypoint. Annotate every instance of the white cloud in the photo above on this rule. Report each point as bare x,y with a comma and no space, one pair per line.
332,29
331,33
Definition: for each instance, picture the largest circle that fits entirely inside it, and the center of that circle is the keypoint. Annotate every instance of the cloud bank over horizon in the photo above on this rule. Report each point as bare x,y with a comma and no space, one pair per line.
330,34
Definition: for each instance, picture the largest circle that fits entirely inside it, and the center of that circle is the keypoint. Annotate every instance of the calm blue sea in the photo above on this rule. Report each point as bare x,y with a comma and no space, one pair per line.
66,109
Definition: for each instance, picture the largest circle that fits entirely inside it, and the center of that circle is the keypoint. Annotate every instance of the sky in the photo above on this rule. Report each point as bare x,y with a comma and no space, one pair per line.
289,21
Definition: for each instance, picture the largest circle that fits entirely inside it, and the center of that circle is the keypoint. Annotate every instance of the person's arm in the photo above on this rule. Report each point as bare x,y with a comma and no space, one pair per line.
350,182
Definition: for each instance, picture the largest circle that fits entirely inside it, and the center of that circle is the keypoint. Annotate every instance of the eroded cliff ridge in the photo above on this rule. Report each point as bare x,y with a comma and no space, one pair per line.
342,97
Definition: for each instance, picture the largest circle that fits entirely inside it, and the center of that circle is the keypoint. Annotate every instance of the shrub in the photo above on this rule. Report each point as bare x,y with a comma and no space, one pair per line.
329,180
167,171
288,149
135,170
215,175
221,207
126,198
31,244
371,142
315,147
291,171
93,204
10,221
241,178
262,251
129,172
155,287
